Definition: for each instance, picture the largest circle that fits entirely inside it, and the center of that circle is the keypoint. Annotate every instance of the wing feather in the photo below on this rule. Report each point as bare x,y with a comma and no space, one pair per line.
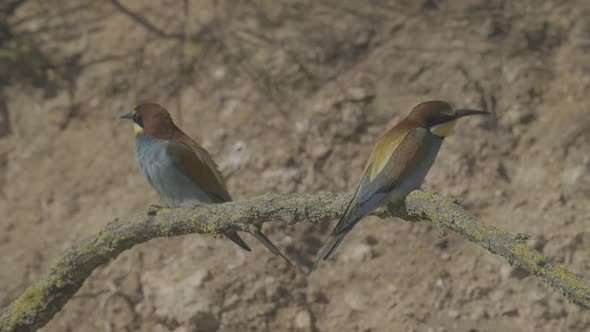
195,162
380,178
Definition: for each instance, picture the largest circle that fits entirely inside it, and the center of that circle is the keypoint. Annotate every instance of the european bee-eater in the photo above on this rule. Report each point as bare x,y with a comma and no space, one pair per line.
397,165
178,168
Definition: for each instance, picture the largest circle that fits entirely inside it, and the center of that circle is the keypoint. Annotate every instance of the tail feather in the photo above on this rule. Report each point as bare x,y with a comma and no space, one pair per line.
233,235
328,249
270,246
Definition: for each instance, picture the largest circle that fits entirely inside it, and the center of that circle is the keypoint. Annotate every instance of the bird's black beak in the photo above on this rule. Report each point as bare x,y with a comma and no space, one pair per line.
466,112
127,116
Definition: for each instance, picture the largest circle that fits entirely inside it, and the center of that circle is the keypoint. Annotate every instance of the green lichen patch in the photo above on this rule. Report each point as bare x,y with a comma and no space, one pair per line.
580,287
536,262
25,306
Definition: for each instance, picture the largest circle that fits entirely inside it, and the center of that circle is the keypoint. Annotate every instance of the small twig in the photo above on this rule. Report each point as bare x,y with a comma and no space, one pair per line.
145,22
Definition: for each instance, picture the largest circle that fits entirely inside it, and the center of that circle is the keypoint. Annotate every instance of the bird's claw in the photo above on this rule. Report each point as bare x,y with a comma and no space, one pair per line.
522,237
153,209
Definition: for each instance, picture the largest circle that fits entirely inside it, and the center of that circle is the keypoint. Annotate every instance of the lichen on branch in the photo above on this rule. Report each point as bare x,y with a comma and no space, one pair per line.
41,301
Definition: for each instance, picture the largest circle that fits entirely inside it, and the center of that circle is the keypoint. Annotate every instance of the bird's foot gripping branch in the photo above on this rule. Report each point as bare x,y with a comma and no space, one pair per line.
41,301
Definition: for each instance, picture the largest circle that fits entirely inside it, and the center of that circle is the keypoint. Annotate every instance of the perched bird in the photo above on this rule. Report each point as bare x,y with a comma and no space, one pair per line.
178,168
397,165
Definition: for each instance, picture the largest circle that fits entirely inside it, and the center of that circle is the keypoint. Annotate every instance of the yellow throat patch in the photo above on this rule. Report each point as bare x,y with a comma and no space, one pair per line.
443,129
137,129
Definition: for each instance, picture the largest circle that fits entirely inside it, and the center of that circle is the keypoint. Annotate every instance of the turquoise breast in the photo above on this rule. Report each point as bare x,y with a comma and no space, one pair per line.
175,188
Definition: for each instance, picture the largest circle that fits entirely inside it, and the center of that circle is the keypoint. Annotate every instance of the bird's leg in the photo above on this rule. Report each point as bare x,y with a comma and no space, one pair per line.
391,206
522,237
153,209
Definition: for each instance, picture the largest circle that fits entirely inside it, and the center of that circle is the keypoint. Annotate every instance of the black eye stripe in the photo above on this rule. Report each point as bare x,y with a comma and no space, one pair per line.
446,118
137,119
441,118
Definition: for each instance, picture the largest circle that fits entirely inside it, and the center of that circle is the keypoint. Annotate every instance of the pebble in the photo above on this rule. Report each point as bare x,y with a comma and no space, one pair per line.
356,300
454,314
303,321
238,155
359,253
517,115
358,93
320,150
571,178
200,277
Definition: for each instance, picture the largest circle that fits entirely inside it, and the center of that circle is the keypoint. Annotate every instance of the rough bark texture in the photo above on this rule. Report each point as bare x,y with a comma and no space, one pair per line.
41,301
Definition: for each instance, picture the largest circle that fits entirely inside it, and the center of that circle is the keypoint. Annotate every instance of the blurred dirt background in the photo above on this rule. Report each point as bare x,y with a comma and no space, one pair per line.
289,96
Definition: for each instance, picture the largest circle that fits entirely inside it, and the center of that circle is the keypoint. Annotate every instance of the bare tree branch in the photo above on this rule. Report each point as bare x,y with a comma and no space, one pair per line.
41,301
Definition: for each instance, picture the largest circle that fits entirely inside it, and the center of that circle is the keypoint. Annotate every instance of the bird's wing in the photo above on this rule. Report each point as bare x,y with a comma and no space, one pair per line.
195,162
202,169
384,169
